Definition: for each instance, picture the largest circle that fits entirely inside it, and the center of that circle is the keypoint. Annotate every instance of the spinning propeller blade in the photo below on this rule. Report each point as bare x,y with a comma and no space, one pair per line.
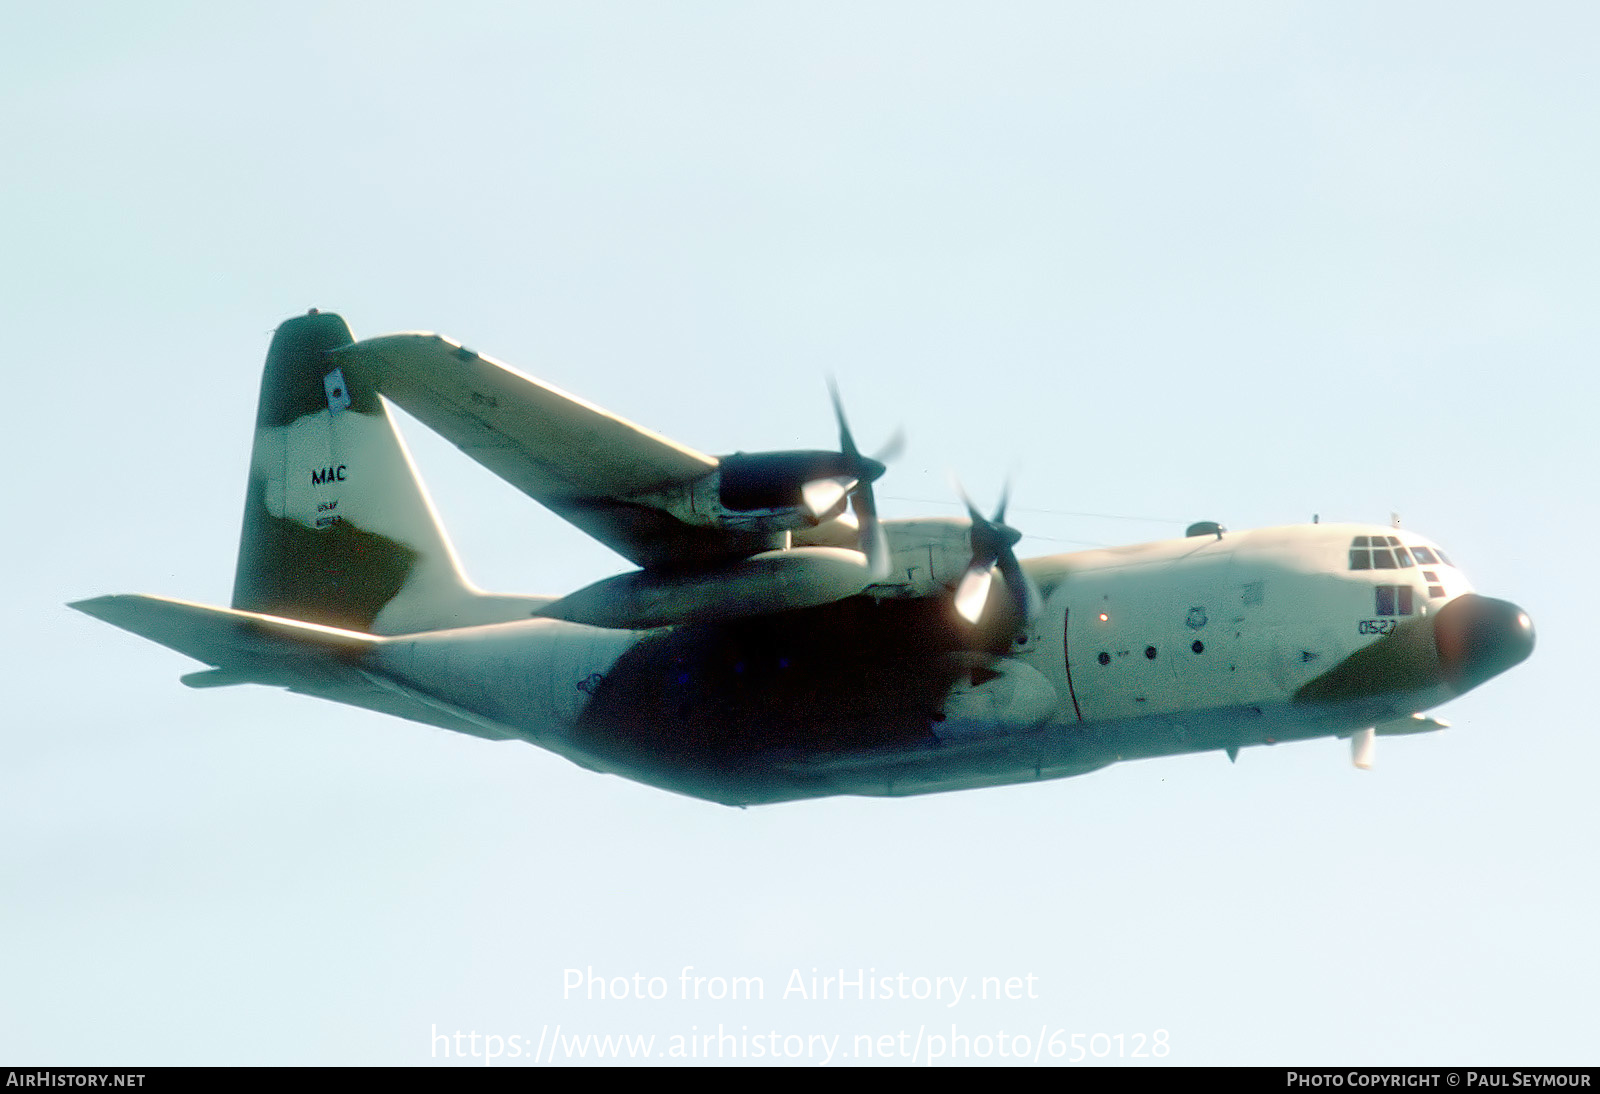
973,593
822,495
993,541
866,471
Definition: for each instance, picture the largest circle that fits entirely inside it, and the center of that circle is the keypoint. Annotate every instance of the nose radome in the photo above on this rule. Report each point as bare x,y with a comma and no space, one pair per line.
1479,637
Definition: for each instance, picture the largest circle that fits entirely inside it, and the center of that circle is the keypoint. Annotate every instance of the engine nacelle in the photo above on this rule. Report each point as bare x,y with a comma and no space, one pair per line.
773,581
754,482
770,492
926,557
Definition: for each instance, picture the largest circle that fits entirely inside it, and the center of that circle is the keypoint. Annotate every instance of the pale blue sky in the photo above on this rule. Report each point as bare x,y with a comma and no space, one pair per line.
1242,262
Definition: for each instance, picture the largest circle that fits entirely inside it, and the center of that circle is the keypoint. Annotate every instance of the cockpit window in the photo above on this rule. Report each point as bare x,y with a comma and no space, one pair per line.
1387,553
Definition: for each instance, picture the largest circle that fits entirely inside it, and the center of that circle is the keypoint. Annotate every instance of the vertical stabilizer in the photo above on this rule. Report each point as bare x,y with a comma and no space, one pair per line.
337,527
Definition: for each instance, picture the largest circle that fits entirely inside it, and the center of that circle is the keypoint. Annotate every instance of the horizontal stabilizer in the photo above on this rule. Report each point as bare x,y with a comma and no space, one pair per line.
247,648
223,637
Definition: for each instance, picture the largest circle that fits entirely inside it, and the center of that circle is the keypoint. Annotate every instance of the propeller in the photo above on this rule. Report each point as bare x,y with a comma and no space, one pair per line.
993,543
822,495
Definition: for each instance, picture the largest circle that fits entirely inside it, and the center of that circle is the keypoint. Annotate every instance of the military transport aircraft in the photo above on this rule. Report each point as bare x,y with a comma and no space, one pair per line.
777,640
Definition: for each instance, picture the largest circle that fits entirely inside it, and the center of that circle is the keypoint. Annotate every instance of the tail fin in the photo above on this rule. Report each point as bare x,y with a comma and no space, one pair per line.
337,527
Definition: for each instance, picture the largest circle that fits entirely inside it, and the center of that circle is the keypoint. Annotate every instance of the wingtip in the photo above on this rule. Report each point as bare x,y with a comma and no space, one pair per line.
94,605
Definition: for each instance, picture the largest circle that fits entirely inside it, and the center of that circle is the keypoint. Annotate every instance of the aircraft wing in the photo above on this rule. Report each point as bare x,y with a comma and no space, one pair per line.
591,467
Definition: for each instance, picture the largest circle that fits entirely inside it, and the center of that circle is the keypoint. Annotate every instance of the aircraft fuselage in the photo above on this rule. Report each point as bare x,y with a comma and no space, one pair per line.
1177,646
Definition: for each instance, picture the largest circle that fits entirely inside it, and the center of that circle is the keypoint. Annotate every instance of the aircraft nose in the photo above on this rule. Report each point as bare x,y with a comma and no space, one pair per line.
1479,637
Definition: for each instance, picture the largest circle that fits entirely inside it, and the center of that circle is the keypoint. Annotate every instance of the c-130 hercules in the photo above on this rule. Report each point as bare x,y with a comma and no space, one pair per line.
777,640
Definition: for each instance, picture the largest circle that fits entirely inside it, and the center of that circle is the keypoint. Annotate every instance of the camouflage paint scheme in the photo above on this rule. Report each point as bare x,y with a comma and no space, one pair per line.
755,656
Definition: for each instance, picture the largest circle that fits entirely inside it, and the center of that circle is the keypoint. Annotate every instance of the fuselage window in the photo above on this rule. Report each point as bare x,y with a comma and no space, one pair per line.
1393,599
